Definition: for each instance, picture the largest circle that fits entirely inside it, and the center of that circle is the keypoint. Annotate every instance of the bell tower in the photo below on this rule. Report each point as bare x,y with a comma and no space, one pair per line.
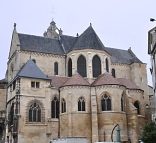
52,31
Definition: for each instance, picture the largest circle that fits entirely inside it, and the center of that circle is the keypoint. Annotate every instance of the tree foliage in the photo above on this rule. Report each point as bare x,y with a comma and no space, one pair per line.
149,133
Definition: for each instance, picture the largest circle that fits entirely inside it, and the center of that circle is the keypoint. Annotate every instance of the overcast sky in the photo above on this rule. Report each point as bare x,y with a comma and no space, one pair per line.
119,23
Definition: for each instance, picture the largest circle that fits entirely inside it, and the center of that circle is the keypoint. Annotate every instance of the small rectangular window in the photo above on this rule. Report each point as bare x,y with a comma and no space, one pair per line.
35,84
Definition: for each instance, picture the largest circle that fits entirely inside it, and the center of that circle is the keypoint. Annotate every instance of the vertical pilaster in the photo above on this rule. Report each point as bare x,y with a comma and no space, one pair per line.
74,64
89,66
95,136
103,65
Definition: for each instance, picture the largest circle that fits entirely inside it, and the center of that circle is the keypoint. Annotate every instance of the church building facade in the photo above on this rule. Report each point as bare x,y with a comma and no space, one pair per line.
63,86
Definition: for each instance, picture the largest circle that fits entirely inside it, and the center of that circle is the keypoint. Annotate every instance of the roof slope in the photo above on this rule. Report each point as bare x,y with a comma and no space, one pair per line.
31,70
76,79
68,42
122,56
105,79
58,81
40,44
129,84
88,40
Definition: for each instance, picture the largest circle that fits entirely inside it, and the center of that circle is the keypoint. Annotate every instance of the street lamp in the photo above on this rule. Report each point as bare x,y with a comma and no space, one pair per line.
152,19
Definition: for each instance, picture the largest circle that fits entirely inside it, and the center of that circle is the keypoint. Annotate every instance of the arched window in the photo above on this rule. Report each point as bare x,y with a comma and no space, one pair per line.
81,104
55,68
34,113
11,116
63,105
113,73
122,103
137,105
96,66
55,108
81,66
107,65
34,61
69,67
106,103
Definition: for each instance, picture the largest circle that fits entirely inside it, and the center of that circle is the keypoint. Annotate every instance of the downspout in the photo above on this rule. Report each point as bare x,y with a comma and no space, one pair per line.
59,115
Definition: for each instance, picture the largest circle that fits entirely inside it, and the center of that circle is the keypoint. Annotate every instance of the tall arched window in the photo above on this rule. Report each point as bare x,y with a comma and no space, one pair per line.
122,103
137,105
107,65
106,103
11,116
81,104
55,108
96,66
69,67
113,73
56,68
63,105
34,113
81,66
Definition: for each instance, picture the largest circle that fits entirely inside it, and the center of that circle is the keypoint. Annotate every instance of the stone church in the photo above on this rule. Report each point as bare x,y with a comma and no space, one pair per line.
62,86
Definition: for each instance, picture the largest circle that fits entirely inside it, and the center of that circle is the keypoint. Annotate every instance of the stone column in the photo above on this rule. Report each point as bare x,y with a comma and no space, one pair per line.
95,136
103,64
74,64
89,66
69,115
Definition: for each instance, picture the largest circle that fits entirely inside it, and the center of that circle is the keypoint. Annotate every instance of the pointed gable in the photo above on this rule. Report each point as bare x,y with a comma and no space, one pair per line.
14,42
105,79
75,80
88,40
31,70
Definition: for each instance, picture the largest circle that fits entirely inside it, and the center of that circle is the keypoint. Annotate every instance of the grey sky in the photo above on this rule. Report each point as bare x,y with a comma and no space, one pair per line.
119,23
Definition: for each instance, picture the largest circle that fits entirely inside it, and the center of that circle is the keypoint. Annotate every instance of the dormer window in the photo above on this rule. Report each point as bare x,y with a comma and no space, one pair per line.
35,84
56,68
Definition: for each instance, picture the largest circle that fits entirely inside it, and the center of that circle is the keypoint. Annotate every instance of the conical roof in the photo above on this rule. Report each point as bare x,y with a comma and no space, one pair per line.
76,80
88,40
105,79
58,81
31,70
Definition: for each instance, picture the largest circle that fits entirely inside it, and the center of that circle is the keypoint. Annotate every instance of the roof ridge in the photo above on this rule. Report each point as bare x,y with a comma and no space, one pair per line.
72,81
89,39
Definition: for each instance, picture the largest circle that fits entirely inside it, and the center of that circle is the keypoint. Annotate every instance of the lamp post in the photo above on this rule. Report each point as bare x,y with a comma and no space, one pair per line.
152,19
152,53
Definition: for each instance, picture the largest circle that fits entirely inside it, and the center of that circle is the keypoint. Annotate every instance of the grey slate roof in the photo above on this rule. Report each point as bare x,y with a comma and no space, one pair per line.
122,56
68,42
40,44
88,40
31,70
